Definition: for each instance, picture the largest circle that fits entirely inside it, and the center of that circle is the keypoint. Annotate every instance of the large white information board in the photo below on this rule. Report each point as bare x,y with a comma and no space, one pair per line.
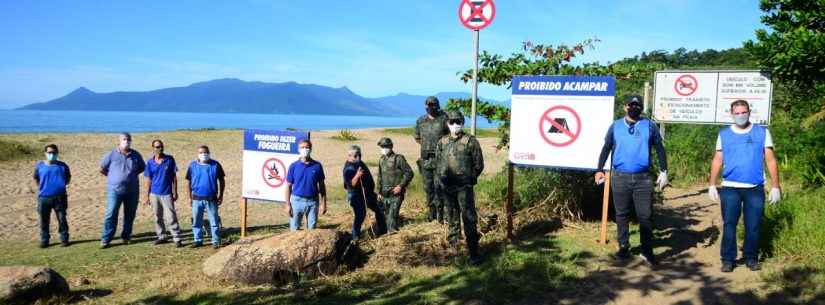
705,96
560,121
266,159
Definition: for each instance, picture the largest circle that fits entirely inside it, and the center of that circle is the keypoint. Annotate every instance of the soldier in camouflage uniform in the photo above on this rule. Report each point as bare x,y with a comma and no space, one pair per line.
429,128
394,175
460,162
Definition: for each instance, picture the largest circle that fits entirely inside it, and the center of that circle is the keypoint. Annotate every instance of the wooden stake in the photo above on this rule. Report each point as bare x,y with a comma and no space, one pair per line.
508,205
605,204
243,216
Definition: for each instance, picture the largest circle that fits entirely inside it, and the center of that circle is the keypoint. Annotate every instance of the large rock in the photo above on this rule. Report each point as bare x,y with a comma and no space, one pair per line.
280,259
26,284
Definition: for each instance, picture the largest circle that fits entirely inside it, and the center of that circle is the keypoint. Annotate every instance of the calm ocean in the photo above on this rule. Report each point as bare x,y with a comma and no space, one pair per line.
19,121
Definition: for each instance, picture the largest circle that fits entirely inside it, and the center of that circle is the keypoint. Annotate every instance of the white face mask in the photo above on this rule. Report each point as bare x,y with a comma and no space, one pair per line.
455,128
203,157
304,152
741,120
385,151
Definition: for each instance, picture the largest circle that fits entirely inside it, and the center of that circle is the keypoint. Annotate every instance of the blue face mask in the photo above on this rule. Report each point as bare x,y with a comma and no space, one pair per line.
51,156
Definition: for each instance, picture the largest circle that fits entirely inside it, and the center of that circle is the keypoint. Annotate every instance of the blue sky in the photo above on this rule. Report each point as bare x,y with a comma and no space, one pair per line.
375,48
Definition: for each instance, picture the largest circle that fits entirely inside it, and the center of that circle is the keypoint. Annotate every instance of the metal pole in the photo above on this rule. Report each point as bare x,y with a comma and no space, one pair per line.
475,81
508,205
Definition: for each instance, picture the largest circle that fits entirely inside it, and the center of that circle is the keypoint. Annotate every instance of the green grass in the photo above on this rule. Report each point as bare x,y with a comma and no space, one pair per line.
10,150
345,135
793,232
409,131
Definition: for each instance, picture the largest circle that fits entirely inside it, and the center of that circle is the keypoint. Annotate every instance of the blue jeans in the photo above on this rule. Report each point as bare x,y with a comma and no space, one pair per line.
113,203
211,208
356,201
301,207
751,203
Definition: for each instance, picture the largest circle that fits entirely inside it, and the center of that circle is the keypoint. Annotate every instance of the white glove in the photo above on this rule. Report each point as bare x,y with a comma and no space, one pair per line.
661,182
713,193
774,196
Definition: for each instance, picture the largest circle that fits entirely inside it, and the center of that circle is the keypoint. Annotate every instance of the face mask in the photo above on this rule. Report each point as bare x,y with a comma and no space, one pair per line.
203,157
304,152
125,144
455,128
741,120
634,112
385,151
51,156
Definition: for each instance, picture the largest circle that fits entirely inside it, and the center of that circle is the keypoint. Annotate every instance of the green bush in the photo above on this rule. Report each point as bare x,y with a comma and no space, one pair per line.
345,135
10,150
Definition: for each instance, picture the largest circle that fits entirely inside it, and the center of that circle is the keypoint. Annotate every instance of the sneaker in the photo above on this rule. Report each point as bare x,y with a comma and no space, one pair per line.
104,245
127,241
64,243
178,244
649,258
753,265
159,241
197,244
215,246
727,267
44,244
622,254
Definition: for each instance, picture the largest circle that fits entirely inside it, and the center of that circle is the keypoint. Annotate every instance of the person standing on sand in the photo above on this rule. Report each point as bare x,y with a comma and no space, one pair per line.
162,192
361,192
305,189
742,151
429,128
51,178
121,166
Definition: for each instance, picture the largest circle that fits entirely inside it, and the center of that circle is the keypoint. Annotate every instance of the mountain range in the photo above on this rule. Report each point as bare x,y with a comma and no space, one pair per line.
231,95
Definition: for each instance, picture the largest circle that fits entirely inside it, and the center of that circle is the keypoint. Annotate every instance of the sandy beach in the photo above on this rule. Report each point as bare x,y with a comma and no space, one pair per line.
83,151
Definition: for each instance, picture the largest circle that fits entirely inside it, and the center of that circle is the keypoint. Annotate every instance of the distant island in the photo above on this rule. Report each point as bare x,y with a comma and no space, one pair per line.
231,95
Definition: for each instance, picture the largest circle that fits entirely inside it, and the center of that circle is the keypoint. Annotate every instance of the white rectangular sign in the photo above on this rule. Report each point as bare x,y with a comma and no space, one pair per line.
560,121
705,96
266,159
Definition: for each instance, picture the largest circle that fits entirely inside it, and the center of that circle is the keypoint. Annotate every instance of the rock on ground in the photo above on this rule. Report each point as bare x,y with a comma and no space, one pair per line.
280,259
26,284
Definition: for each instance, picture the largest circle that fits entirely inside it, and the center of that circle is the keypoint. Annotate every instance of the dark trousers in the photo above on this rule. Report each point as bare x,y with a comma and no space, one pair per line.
45,205
634,190
460,200
359,208
433,191
749,202
392,209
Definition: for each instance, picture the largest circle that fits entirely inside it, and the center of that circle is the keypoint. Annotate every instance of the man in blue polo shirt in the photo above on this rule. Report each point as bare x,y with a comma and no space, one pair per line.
304,189
51,177
206,186
742,151
121,166
629,140
162,192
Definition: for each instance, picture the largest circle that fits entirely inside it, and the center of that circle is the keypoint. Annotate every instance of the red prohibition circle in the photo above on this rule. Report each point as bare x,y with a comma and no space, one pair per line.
474,13
679,81
573,136
280,177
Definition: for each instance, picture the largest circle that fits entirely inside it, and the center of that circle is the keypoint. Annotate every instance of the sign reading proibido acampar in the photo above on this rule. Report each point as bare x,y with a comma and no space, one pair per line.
266,159
560,121
704,97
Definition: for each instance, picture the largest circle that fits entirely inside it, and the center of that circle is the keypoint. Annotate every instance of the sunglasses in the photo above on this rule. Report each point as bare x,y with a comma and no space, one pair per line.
158,146
454,121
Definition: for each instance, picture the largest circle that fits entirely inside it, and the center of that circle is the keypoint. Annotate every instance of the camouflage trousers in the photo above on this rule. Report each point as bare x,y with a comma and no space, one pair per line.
460,201
433,190
392,208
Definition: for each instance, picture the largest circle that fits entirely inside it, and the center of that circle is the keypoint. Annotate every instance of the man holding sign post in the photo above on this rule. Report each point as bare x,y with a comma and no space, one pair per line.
629,140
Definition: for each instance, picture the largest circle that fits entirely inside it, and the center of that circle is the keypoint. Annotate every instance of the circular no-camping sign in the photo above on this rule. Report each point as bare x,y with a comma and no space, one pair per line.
273,172
685,85
476,14
560,126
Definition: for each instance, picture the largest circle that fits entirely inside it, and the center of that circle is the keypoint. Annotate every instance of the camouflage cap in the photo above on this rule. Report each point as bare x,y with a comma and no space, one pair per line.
455,115
384,142
432,100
